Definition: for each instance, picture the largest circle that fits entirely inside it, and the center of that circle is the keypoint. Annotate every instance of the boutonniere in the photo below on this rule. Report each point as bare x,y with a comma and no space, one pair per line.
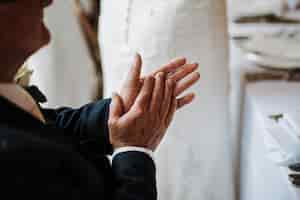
23,76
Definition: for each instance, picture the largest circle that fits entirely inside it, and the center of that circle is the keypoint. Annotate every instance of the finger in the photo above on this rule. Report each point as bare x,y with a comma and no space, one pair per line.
156,140
184,71
141,105
132,84
188,82
172,110
142,81
135,71
183,101
145,95
168,94
158,92
116,107
170,67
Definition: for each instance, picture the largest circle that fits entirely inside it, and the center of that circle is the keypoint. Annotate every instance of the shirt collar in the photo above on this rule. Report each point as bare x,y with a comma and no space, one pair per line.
17,95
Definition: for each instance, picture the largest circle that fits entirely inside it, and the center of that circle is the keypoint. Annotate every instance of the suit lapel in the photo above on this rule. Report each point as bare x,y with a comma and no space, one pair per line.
13,116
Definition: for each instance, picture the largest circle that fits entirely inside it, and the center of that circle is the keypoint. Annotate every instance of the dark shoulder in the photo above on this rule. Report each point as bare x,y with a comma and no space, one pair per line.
17,139
34,167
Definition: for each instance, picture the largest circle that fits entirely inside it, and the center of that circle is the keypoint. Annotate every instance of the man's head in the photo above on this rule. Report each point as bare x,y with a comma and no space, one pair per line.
23,31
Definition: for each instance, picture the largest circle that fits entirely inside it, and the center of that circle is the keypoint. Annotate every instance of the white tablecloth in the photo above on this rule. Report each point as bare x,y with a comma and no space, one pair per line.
260,178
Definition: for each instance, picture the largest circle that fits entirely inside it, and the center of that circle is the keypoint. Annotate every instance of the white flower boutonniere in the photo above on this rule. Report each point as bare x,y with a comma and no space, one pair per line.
23,76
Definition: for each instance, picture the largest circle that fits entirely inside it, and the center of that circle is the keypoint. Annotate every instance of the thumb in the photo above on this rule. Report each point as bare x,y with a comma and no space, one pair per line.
135,71
116,107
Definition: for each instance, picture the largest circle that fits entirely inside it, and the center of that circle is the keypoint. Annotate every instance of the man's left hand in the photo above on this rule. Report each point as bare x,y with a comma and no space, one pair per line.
182,74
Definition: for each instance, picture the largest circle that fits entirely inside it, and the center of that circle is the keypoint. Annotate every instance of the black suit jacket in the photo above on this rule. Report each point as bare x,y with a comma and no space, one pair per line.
67,157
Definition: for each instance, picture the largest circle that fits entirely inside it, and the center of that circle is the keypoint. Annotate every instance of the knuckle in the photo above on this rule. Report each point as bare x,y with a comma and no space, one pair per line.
140,111
159,77
141,104
151,79
146,94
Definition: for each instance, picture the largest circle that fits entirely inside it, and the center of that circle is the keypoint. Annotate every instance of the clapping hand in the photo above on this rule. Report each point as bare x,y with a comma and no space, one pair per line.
142,113
183,75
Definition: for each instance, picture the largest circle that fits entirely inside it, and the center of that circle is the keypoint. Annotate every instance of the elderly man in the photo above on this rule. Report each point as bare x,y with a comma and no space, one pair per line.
48,153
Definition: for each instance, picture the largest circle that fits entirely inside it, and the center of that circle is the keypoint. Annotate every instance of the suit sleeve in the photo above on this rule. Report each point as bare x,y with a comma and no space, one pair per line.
39,174
88,124
36,168
134,176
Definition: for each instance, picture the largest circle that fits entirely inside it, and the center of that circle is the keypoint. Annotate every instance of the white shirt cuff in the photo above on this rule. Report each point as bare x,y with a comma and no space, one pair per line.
133,148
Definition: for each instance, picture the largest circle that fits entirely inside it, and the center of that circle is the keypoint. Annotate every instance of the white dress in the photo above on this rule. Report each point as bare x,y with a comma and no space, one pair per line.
194,161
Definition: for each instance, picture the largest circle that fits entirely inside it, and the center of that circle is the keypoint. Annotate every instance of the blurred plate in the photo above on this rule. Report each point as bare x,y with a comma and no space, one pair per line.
280,51
273,62
287,18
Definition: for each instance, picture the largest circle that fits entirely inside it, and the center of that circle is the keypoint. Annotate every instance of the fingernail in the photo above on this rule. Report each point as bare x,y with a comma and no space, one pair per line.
137,55
183,58
135,58
180,58
151,78
160,75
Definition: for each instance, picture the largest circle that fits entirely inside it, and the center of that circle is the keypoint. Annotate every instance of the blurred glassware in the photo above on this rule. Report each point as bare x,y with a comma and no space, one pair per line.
293,4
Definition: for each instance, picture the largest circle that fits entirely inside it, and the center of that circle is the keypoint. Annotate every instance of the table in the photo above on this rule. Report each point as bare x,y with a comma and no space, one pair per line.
260,178
250,29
